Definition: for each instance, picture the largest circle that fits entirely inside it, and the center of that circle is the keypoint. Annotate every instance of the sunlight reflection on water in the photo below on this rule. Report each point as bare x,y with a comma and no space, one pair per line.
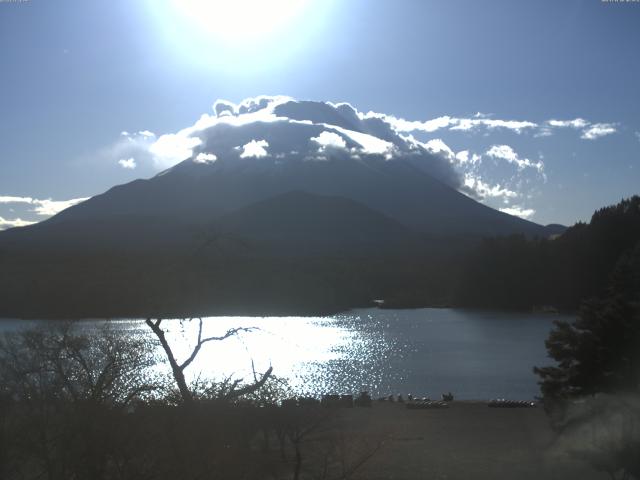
315,354
475,354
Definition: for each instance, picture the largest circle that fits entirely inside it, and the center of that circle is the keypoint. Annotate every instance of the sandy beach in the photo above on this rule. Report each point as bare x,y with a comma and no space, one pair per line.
468,440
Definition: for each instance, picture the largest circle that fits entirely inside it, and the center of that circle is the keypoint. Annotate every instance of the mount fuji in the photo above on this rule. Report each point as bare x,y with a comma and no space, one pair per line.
266,186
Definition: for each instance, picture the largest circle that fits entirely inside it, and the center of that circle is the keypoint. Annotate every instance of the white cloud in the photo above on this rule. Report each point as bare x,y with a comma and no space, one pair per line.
129,163
575,123
463,157
263,105
519,211
172,148
47,207
437,145
402,125
376,133
590,131
467,124
142,133
255,149
9,199
130,145
598,130
505,152
329,139
52,207
17,222
484,190
453,123
368,143
437,123
205,158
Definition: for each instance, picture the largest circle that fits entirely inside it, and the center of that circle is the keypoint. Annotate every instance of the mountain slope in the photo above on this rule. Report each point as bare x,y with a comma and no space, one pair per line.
302,224
193,193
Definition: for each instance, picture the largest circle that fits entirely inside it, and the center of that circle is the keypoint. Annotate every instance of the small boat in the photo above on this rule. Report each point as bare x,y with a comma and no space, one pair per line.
502,403
426,405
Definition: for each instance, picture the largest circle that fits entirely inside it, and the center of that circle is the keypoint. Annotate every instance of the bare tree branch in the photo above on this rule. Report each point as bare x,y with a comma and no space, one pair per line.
230,333
178,369
233,393
178,373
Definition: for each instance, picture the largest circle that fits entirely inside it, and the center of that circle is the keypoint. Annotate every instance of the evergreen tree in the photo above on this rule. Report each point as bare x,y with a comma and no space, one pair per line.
599,351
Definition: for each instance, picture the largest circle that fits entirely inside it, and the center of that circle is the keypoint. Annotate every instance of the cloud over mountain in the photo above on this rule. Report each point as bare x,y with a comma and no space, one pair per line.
16,222
128,163
41,208
278,128
518,211
505,152
47,207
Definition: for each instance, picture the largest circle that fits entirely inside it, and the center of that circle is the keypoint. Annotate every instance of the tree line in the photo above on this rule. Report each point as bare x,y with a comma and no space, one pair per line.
517,272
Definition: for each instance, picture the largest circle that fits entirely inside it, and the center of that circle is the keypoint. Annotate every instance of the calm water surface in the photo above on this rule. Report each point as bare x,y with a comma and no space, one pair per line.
474,354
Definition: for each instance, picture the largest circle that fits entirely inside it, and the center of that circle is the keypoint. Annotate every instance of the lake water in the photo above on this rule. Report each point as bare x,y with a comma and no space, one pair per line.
474,354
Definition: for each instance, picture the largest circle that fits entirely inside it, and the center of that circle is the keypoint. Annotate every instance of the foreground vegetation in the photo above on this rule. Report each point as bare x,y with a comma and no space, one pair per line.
95,407
77,406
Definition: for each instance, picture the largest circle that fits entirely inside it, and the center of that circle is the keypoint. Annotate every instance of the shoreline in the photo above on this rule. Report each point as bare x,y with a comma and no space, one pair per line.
284,313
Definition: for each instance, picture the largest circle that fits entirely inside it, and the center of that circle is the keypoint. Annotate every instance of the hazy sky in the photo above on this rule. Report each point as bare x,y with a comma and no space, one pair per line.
538,98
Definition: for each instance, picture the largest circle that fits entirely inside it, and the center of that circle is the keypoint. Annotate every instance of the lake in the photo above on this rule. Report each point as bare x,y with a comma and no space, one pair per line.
474,354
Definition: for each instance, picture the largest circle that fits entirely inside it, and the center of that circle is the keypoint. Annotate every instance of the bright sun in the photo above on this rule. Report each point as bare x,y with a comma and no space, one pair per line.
239,21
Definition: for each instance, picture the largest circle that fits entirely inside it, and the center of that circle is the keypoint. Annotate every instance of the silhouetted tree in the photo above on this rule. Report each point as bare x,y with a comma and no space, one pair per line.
598,362
62,363
63,392
600,350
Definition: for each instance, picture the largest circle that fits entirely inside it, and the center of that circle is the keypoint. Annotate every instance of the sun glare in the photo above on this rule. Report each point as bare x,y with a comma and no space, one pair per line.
238,36
239,21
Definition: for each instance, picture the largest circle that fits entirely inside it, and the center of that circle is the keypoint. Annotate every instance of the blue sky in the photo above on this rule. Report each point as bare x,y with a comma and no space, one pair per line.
75,74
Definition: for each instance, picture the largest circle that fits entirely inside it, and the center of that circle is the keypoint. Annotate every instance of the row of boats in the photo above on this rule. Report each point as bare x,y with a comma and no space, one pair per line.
413,403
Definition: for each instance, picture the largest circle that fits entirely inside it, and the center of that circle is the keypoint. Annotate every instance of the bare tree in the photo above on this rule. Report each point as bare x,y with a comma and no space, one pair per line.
177,369
63,363
63,394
